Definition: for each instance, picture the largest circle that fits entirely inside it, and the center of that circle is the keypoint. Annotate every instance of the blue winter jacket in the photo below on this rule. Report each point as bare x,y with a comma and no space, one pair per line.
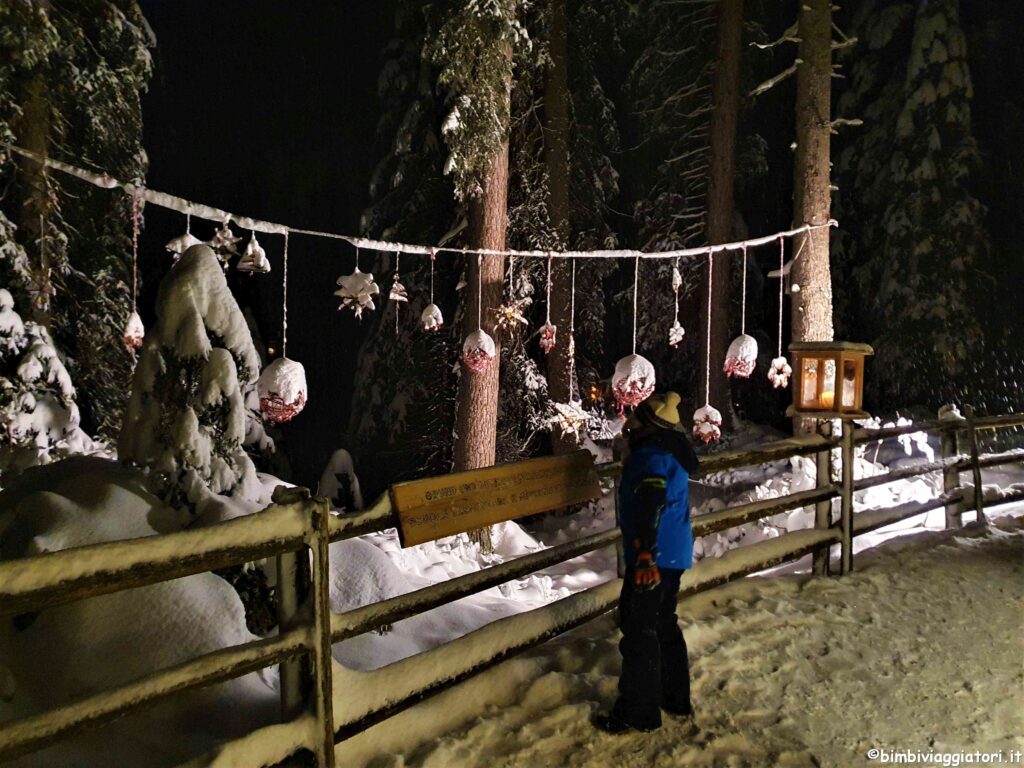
663,520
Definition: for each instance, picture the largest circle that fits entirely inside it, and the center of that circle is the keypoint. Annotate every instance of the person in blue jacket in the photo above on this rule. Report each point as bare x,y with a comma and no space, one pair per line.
654,515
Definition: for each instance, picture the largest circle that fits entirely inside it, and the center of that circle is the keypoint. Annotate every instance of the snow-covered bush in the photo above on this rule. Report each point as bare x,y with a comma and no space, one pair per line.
186,420
37,400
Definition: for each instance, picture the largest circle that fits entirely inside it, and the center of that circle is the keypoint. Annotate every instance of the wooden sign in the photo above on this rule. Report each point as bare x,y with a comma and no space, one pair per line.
435,507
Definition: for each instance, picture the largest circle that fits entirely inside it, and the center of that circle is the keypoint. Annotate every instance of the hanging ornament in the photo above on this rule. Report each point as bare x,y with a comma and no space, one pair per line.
182,243
282,390
431,318
134,331
224,243
357,290
254,258
707,424
741,357
707,420
509,316
549,332
40,289
780,371
570,419
282,384
676,332
397,295
634,379
478,350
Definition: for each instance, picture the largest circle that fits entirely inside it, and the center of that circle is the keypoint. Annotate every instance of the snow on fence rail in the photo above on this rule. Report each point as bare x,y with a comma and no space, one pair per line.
322,713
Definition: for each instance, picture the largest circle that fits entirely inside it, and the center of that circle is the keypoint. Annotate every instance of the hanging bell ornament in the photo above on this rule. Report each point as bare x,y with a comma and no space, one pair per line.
780,372
282,390
707,424
633,380
741,357
134,332
478,351
357,292
431,318
547,337
254,258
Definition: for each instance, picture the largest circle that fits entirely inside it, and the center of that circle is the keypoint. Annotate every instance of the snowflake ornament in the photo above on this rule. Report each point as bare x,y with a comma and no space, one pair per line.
707,424
182,243
134,332
431,318
224,243
254,258
478,351
508,317
548,335
633,380
741,357
570,418
357,292
675,334
780,372
282,390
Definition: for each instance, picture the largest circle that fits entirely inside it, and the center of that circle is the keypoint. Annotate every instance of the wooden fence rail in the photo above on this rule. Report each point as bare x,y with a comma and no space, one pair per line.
297,529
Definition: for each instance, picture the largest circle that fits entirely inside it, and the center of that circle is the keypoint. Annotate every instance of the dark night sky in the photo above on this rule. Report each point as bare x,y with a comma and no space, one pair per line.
268,109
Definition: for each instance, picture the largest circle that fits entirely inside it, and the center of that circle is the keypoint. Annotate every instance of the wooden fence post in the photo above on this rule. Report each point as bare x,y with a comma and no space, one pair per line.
972,435
323,691
823,509
846,508
293,588
951,476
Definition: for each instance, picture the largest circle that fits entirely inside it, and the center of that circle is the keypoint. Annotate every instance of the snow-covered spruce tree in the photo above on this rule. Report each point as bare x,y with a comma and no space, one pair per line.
186,419
37,401
71,74
917,231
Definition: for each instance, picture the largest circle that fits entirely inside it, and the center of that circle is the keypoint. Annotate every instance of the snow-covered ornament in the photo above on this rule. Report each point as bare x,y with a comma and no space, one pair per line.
40,289
633,380
134,332
510,315
549,333
676,332
431,318
357,290
254,258
570,418
741,358
478,351
548,336
182,243
707,424
282,390
780,372
224,243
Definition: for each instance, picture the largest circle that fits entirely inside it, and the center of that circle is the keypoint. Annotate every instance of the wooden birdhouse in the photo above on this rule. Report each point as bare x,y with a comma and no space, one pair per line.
828,378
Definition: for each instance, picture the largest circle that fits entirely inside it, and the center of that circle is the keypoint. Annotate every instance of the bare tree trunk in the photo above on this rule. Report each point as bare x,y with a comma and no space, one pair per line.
556,159
476,421
812,303
721,188
32,132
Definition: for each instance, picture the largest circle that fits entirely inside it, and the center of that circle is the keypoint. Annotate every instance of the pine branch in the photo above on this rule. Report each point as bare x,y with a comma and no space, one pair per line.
773,81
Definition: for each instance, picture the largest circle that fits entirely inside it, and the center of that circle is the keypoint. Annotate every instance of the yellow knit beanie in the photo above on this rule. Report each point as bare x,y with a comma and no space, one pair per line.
660,410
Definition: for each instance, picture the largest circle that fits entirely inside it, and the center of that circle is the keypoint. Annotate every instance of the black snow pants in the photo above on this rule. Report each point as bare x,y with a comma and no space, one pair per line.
655,665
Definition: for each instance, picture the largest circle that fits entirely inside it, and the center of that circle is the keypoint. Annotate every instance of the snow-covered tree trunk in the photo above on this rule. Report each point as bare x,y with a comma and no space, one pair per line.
556,160
476,422
721,191
811,276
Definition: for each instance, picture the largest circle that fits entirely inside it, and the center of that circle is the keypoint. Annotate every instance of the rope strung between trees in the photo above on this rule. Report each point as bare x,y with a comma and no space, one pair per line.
219,215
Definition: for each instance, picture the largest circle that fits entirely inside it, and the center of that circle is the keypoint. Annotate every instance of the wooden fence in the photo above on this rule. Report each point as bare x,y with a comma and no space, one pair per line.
297,529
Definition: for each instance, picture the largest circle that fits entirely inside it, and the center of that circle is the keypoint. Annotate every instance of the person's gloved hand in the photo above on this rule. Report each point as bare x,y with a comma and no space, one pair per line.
645,573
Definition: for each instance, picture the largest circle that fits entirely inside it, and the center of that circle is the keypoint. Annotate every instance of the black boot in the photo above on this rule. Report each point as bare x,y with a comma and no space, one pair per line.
609,723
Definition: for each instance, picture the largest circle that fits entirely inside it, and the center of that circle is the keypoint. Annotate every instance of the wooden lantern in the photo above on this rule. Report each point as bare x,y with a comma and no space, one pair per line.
828,378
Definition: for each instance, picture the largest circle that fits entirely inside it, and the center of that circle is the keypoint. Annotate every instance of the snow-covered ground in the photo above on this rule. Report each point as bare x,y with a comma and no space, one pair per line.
920,648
